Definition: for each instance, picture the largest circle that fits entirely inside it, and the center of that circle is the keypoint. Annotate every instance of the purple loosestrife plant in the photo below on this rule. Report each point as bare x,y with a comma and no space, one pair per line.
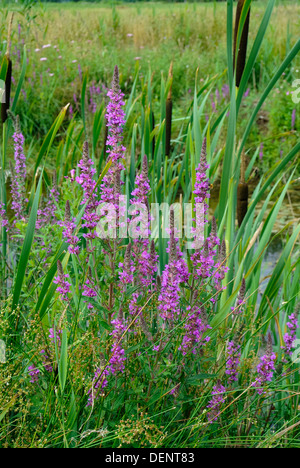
86,180
69,226
290,337
175,273
195,327
55,335
220,269
127,267
18,174
117,358
47,214
202,186
63,285
143,252
205,250
3,216
232,361
89,288
115,118
99,381
46,361
216,402
265,368
116,362
34,373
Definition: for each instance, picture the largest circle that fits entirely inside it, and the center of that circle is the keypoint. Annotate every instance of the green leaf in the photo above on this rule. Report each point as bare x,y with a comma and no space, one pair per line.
47,143
26,246
63,361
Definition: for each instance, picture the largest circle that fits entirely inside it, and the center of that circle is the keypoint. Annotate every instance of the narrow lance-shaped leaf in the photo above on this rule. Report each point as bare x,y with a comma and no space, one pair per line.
26,246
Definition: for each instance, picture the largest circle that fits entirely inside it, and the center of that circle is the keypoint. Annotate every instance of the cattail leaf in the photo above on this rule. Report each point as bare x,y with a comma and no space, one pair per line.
4,68
83,93
98,123
131,102
241,38
22,265
292,54
47,143
254,52
197,128
229,40
63,361
228,159
5,105
132,158
20,82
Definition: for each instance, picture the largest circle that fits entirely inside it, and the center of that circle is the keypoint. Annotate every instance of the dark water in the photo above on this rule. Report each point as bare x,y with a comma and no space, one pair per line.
271,257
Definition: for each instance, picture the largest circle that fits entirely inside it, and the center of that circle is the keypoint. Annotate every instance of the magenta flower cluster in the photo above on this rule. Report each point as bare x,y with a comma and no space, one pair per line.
18,176
232,361
115,118
69,226
195,327
34,373
265,368
175,273
63,285
215,404
46,214
290,337
90,217
3,216
115,364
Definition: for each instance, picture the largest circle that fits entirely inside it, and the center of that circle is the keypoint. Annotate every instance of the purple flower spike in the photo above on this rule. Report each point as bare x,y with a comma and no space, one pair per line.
175,272
18,174
55,335
86,180
115,118
232,361
63,285
3,216
216,402
195,327
89,288
265,368
34,373
69,226
202,186
290,337
118,358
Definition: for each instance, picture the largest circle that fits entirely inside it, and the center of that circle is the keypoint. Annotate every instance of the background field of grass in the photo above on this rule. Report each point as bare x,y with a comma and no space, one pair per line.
95,37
